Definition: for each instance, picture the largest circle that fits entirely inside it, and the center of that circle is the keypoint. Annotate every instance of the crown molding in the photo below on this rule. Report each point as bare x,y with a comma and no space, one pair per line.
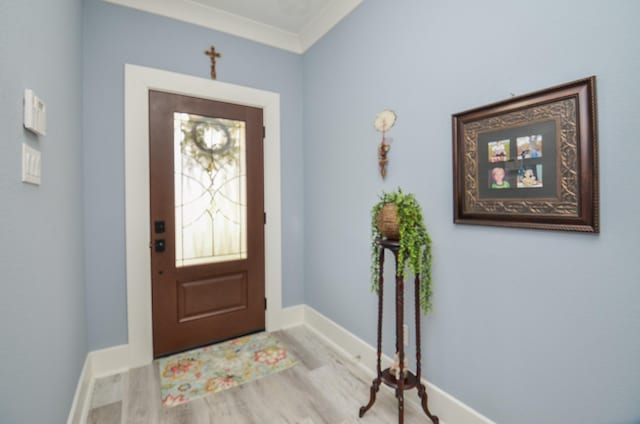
219,20
335,11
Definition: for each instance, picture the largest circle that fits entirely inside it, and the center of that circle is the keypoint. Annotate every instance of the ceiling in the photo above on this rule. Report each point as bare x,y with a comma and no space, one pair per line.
292,25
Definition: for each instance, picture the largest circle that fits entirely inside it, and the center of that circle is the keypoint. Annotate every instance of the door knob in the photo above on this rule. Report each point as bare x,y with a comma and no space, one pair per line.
159,245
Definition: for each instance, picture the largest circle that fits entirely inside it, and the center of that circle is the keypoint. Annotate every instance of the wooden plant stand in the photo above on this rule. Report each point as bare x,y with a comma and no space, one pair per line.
411,380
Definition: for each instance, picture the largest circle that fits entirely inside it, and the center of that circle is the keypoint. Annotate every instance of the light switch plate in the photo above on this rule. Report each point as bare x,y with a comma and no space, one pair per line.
31,165
35,113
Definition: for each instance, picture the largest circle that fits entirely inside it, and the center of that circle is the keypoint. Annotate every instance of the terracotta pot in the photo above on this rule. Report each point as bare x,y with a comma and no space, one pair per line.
389,222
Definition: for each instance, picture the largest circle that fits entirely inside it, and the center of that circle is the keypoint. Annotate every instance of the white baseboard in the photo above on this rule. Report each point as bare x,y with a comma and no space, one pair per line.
112,360
98,363
446,407
291,316
104,362
81,397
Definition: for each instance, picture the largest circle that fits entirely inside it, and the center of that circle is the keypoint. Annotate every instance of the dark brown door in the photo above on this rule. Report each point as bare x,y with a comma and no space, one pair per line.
207,221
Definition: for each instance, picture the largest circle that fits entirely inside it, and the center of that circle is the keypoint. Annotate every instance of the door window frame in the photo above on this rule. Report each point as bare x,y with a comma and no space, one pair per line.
138,81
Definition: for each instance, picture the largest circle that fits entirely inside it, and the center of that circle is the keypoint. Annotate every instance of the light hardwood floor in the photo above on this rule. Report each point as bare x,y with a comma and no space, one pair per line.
324,387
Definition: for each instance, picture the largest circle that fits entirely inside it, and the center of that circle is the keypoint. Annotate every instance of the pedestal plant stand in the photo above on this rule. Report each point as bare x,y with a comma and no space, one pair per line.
419,259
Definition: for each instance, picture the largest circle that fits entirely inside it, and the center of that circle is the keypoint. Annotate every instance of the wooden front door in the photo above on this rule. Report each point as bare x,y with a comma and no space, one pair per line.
207,221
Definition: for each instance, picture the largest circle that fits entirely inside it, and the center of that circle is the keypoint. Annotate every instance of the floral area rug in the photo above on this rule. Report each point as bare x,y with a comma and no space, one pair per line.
200,372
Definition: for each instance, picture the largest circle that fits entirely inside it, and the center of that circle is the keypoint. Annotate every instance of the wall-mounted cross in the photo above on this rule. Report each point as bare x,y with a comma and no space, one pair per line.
213,54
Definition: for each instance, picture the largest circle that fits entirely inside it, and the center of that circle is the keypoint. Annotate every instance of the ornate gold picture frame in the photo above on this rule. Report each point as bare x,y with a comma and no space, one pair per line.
530,161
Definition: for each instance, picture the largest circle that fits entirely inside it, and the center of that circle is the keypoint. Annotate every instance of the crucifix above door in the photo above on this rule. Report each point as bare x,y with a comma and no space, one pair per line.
213,54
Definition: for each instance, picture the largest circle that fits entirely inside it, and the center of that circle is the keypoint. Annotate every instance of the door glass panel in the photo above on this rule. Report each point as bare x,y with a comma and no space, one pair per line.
210,189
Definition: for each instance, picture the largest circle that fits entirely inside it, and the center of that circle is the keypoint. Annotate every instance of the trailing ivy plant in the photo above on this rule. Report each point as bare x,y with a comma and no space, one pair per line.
415,243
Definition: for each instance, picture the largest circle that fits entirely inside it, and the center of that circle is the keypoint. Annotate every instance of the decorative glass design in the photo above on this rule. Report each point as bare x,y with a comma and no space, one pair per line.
210,189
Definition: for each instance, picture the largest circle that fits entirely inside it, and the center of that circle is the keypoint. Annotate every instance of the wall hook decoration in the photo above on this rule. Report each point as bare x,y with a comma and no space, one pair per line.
383,123
213,54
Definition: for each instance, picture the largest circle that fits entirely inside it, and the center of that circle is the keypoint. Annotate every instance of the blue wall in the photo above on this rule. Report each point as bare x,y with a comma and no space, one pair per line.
116,35
528,326
42,303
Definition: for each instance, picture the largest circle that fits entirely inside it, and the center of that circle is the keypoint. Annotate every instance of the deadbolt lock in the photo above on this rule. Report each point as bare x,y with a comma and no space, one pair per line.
158,226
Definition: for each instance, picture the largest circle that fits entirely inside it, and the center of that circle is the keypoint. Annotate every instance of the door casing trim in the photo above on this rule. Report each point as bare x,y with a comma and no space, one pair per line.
138,81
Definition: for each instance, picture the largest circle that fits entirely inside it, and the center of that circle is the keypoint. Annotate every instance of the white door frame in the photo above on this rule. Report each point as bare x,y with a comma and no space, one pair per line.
138,81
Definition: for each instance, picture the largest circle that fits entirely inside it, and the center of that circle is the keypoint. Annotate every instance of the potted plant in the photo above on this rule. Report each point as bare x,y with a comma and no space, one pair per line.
411,234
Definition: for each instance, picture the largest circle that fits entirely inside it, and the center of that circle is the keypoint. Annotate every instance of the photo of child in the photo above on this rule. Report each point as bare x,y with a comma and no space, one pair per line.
530,177
499,151
497,178
529,147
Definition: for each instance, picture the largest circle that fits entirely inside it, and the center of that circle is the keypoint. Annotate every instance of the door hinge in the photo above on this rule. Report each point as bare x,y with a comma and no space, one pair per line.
265,303
265,218
264,132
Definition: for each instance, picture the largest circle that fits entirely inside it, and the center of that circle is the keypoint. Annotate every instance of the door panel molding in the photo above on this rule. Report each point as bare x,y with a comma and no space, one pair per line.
197,299
138,81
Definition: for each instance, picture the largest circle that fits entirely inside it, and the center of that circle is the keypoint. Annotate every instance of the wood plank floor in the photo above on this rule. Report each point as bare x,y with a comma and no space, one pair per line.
324,387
